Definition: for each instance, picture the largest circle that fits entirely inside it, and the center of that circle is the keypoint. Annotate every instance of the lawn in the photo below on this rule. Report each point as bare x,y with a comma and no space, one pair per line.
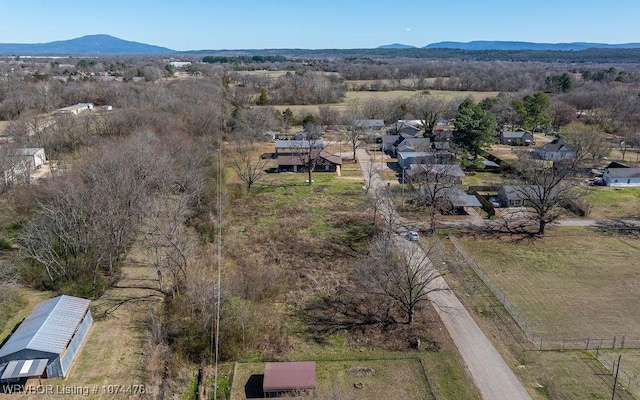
611,203
573,283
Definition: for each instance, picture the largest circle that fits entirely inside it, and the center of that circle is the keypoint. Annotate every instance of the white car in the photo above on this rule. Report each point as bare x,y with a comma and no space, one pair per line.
413,236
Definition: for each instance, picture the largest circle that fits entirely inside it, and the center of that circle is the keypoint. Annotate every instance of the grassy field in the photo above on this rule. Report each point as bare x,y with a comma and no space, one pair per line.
573,283
629,376
611,203
352,97
401,378
547,375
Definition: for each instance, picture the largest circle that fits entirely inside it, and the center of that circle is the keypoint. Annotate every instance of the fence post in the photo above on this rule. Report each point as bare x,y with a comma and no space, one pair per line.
588,343
614,342
622,344
564,340
540,343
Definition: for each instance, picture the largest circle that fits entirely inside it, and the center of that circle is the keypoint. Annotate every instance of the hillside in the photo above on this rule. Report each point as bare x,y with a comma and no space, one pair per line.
90,44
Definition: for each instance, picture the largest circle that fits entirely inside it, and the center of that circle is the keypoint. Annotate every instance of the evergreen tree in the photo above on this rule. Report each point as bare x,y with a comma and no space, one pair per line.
475,128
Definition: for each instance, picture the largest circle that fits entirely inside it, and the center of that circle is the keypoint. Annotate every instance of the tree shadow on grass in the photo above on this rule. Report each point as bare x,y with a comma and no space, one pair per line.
344,311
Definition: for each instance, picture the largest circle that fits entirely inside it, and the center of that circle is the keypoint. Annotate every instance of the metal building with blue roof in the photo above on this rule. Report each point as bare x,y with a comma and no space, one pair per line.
54,331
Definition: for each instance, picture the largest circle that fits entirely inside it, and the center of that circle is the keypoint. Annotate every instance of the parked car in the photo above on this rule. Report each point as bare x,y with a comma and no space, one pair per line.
413,236
494,201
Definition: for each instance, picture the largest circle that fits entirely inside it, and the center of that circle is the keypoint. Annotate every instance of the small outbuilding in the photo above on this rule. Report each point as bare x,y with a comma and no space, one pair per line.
289,378
53,332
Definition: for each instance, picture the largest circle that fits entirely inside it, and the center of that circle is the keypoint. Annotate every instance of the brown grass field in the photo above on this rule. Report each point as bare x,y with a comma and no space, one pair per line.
352,97
391,379
573,283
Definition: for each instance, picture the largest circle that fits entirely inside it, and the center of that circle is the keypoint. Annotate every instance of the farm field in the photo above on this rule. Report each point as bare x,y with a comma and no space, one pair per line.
359,97
573,283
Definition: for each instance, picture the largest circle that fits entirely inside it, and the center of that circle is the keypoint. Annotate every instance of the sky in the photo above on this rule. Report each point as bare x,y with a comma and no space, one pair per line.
320,24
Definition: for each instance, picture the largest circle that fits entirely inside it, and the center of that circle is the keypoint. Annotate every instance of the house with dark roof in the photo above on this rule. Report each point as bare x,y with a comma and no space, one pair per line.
404,128
406,158
324,161
521,195
291,147
620,177
47,341
407,143
519,137
441,173
556,150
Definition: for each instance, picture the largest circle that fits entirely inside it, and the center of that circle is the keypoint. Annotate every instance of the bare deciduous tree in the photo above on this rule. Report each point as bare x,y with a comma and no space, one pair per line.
402,272
248,166
433,186
545,189
586,141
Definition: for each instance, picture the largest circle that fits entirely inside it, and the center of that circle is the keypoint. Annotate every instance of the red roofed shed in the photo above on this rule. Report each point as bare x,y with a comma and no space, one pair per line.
289,378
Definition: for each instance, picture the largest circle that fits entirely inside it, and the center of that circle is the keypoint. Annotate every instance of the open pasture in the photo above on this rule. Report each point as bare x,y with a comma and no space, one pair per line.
573,283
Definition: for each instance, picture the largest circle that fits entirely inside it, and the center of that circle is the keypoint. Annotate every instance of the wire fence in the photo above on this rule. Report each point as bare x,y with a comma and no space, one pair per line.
625,379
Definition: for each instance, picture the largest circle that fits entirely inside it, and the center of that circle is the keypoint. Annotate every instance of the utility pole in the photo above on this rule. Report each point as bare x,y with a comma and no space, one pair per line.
615,380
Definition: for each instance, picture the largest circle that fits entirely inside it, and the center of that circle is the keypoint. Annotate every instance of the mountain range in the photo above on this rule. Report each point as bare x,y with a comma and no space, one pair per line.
90,44
507,45
106,44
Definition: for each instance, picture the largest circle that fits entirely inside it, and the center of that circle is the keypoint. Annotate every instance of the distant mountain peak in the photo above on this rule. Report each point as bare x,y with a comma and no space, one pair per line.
88,44
396,46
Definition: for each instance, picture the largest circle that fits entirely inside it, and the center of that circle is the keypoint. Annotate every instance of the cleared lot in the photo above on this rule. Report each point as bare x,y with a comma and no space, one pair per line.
574,283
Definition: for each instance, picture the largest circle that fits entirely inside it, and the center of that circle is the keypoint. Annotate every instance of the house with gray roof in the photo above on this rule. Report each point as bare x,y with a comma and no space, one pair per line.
369,124
620,177
519,137
556,150
54,332
406,158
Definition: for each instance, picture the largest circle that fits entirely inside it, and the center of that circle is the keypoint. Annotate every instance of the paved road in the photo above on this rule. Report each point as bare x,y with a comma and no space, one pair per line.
489,371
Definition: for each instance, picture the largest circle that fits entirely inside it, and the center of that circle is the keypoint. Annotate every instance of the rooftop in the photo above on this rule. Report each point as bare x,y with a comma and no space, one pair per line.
289,376
49,327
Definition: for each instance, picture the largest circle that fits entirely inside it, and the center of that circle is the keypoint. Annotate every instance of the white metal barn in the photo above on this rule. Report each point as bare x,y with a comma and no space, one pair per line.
53,332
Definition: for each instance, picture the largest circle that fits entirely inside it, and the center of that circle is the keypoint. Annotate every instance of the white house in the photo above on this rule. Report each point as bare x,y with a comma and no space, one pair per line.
622,177
74,109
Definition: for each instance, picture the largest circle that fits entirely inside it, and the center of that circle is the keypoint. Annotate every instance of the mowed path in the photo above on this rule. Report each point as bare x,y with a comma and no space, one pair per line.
487,368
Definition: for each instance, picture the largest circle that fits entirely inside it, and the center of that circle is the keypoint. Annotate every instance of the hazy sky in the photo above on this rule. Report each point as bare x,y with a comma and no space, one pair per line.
318,24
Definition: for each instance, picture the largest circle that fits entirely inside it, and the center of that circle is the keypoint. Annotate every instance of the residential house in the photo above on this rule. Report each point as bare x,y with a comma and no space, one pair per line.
74,109
388,143
404,128
519,195
443,136
519,137
408,143
621,177
441,173
369,124
292,147
324,161
556,150
406,158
